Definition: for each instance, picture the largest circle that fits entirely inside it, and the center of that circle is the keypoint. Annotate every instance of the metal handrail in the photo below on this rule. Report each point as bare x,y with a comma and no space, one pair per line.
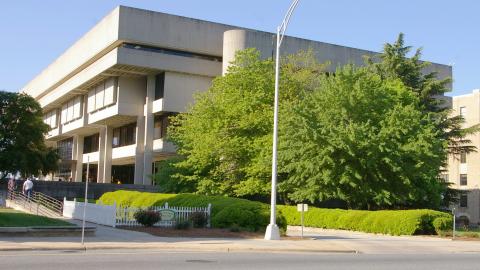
38,200
49,202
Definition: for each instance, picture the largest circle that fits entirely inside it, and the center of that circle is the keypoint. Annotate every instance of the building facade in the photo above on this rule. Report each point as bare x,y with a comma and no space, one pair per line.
464,170
108,97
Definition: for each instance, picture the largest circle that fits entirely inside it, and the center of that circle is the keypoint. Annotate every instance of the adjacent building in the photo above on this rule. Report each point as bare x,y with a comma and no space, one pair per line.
464,170
107,98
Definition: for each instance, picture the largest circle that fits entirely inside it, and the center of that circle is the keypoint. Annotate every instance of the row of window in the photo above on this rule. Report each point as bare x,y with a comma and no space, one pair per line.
103,95
99,97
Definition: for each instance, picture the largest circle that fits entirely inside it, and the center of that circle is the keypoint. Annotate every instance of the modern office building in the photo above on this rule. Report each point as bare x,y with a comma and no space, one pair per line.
464,171
108,97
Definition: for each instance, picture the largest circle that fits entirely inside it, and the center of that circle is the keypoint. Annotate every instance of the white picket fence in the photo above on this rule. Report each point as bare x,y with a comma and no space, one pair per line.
125,215
111,215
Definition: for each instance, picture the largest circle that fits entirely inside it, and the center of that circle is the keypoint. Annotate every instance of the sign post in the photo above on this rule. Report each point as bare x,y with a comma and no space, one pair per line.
302,207
453,229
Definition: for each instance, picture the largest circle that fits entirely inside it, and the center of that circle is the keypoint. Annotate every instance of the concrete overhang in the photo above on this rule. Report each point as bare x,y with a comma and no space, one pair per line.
125,62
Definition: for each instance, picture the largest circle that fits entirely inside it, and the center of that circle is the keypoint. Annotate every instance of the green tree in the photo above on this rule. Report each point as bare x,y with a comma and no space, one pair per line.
393,62
226,137
22,146
172,178
363,139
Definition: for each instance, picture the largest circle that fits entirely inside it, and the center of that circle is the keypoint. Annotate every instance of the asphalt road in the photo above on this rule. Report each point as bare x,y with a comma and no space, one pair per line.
144,259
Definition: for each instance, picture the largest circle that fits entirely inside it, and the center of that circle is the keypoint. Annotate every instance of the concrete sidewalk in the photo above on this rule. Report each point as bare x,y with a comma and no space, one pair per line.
317,240
112,238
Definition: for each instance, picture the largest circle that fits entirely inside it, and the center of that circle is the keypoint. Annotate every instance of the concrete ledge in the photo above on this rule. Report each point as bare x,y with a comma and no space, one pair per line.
46,231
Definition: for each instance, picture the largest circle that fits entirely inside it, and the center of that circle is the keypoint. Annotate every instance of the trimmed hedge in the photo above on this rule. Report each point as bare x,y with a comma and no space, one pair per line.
393,222
226,212
233,212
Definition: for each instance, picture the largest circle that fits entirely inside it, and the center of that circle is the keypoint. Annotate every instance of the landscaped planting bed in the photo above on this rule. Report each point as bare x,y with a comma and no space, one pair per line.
232,212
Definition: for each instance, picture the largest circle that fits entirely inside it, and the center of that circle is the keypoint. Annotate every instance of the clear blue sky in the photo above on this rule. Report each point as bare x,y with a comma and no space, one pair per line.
33,33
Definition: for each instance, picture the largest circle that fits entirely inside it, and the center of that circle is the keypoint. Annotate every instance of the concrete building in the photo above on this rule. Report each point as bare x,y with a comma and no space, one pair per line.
107,98
464,171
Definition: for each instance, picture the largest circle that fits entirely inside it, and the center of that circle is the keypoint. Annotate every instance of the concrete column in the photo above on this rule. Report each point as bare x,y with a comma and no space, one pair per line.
139,150
149,130
102,138
78,156
104,173
107,160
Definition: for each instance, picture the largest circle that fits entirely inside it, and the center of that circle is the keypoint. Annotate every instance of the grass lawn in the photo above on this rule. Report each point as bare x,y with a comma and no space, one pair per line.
13,218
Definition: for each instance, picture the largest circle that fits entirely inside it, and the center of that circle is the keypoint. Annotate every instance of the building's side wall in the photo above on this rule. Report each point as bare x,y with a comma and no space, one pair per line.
180,89
336,55
472,166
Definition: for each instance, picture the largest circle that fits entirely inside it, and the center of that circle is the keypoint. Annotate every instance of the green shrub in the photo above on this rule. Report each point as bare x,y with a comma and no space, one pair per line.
239,213
393,222
251,215
183,225
442,224
198,219
147,217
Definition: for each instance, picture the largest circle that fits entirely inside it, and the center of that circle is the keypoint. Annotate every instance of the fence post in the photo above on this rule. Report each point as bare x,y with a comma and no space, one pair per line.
114,214
209,208
166,205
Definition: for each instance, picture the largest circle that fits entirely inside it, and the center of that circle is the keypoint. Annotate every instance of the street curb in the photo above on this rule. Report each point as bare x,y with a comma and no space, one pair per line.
220,249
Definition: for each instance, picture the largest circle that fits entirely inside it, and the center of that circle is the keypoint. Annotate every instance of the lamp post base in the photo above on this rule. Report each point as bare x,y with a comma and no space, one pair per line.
272,232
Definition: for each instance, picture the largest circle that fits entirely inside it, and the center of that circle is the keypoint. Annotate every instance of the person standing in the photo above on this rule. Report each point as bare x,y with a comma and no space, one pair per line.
27,188
11,188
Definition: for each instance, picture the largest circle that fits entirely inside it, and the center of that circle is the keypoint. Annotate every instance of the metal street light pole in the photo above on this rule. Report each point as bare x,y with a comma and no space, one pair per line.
272,232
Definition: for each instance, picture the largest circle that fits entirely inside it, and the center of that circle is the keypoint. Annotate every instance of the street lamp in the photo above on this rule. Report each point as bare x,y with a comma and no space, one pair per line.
272,232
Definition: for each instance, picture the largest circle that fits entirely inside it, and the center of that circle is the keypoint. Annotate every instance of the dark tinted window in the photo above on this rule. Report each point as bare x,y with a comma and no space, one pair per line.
463,200
125,135
463,157
90,143
159,85
463,179
65,149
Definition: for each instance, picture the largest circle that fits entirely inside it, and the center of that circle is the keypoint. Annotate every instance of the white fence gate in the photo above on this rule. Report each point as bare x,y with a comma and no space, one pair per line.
125,215
95,213
111,215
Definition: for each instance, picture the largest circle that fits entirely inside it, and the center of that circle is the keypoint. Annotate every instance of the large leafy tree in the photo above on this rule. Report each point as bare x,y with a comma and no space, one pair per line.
363,139
393,62
225,138
22,146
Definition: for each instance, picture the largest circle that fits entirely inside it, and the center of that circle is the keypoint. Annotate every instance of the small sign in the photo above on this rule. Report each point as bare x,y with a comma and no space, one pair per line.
302,207
167,215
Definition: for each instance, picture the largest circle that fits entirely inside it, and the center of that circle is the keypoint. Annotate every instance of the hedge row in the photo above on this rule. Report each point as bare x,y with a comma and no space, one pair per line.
227,212
393,222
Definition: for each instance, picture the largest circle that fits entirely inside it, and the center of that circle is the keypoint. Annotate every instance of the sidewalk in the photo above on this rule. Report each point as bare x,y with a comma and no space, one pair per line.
328,241
112,238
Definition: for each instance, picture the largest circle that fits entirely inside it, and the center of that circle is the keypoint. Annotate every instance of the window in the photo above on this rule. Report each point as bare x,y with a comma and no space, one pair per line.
65,149
463,200
50,119
160,125
463,179
123,174
463,111
159,85
463,157
103,95
72,110
90,143
444,177
125,135
172,52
